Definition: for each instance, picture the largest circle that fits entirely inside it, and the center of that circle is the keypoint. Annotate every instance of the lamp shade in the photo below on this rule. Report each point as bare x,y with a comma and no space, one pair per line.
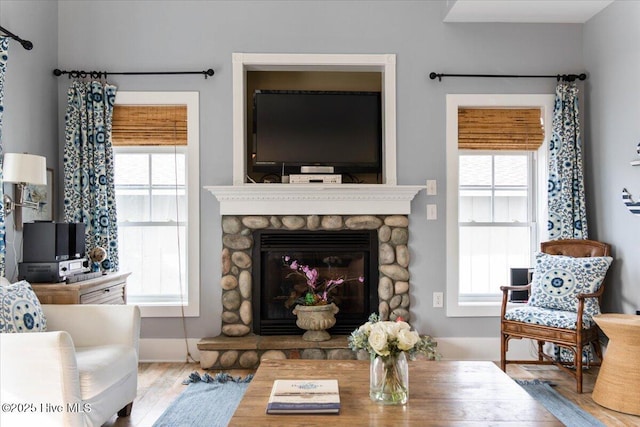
27,168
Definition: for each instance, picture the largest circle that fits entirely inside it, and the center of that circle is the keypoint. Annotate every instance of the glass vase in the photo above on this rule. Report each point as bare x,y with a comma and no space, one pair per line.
389,379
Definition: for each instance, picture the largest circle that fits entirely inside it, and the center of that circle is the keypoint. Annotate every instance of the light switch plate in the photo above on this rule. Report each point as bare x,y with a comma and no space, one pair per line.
432,212
432,187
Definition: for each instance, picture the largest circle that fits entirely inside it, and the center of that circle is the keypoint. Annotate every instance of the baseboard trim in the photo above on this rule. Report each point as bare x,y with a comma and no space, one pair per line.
168,350
484,348
451,348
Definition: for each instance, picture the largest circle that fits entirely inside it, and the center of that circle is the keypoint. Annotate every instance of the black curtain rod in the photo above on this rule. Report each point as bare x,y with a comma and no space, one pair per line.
98,74
25,43
565,77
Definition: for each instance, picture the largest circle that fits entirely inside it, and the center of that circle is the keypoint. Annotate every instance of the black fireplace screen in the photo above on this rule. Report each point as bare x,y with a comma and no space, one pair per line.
335,254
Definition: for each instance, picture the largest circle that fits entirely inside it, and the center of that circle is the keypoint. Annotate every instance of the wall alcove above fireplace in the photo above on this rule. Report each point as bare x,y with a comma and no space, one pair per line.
245,198
315,72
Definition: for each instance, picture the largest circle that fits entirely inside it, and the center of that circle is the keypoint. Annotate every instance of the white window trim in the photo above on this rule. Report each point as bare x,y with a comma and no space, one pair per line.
191,308
486,309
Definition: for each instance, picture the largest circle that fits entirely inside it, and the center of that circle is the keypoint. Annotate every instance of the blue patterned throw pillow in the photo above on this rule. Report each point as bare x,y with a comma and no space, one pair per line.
557,279
21,310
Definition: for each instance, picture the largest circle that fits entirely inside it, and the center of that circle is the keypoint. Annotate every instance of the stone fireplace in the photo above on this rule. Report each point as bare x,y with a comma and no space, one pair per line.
390,281
250,211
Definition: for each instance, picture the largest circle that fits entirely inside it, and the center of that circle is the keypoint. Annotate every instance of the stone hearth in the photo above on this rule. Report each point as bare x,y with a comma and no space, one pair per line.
238,347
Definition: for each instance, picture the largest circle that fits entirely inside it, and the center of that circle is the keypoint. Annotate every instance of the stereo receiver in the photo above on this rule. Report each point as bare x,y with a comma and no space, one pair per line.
54,271
315,179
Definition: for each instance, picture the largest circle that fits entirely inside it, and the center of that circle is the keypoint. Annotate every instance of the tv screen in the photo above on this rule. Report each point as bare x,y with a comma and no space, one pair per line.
300,128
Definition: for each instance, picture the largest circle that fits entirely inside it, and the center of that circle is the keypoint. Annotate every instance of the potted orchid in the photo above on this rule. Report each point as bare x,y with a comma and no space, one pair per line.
318,291
388,344
314,306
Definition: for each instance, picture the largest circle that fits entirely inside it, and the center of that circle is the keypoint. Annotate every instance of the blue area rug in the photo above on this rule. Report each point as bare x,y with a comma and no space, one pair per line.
207,401
562,408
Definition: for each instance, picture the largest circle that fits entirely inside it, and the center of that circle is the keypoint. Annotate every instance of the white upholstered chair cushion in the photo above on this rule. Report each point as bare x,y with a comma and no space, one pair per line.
104,366
88,357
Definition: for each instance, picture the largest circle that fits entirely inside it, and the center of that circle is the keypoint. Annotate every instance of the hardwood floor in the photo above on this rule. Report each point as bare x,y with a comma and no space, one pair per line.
160,383
566,386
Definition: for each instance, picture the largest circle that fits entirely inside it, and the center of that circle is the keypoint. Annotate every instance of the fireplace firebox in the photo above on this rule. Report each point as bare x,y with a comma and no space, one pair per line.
335,254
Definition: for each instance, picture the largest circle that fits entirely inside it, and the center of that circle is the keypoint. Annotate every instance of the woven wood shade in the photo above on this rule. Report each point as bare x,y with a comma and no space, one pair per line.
500,129
149,125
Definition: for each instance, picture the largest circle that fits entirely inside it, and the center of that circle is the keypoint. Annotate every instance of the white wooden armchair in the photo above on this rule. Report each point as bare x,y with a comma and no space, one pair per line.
79,373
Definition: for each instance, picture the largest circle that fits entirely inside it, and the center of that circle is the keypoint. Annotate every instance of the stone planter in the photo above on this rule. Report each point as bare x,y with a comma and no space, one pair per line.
315,319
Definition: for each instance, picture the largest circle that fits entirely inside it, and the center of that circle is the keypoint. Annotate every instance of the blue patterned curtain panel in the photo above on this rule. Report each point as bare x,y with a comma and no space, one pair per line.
567,208
4,55
89,193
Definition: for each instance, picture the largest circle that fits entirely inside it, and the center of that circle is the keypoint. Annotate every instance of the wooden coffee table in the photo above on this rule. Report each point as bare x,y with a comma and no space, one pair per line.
440,393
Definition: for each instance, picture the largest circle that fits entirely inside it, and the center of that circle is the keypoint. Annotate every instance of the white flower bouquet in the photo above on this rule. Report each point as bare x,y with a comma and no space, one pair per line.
388,344
389,338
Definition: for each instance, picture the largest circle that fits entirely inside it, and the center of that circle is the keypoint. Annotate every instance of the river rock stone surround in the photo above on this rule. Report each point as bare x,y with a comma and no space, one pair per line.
236,283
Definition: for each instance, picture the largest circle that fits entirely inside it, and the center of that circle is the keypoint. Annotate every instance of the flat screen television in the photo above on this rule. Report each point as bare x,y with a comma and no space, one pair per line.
326,128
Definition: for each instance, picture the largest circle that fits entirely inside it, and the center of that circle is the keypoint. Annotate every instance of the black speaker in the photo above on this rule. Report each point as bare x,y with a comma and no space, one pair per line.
45,242
520,277
76,240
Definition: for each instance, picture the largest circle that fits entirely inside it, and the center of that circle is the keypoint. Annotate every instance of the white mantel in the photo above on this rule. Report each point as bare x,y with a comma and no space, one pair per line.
315,199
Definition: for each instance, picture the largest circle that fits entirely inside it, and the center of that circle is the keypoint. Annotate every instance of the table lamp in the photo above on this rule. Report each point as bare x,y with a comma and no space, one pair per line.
22,169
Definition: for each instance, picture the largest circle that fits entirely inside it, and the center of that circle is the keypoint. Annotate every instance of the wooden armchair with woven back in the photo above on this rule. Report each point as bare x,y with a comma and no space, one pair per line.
567,285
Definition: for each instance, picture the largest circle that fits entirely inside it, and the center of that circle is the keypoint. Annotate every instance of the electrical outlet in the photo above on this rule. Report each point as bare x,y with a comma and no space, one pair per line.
438,299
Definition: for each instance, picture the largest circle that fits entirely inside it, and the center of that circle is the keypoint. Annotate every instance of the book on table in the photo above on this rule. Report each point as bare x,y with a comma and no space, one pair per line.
304,397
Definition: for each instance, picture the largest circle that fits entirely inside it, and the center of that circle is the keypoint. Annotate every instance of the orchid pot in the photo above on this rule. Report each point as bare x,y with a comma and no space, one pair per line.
315,319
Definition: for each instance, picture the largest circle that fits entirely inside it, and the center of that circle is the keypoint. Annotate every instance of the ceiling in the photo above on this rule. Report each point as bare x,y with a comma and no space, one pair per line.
527,11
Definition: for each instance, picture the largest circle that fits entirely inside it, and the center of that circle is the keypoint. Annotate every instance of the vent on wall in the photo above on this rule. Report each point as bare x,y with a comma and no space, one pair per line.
315,239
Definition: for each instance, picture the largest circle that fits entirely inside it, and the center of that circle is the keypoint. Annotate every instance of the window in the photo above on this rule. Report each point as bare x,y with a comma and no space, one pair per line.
496,195
157,192
496,220
151,195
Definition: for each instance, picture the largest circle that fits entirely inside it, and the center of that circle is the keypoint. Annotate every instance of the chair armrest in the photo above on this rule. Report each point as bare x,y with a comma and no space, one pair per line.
505,289
505,292
596,294
96,324
38,368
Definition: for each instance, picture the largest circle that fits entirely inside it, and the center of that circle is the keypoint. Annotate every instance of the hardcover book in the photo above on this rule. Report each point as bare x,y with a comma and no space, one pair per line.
304,397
